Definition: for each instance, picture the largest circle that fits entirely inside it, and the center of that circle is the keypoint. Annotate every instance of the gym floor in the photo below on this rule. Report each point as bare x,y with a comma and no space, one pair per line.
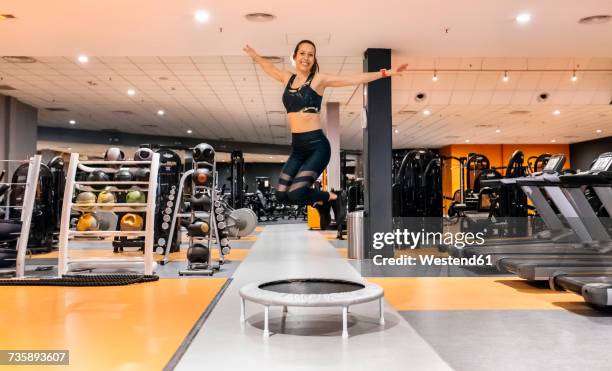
449,321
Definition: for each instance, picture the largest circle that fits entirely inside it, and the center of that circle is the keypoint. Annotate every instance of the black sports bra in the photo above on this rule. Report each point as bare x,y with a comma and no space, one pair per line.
303,99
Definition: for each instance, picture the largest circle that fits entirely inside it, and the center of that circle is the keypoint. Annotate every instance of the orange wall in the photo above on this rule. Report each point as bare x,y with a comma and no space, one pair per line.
498,155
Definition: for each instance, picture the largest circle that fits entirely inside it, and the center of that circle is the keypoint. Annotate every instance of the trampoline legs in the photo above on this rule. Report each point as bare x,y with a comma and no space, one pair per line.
344,322
242,310
266,332
381,320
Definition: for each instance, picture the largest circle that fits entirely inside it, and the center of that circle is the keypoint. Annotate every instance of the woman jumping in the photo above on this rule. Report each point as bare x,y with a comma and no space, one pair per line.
310,148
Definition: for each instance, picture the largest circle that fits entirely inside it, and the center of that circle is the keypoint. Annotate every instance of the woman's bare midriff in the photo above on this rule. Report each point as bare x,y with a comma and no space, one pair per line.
302,122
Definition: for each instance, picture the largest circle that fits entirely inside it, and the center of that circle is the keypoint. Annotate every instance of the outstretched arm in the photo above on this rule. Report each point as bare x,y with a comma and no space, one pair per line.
269,68
335,81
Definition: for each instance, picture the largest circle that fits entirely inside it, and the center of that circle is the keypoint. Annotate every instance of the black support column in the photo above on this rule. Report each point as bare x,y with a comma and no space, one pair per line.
377,136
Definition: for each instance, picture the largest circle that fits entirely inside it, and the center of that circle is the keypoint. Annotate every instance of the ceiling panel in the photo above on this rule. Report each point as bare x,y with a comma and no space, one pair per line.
229,96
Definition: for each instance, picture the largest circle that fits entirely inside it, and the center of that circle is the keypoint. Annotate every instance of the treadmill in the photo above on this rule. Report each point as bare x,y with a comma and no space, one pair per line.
556,230
595,285
541,268
573,208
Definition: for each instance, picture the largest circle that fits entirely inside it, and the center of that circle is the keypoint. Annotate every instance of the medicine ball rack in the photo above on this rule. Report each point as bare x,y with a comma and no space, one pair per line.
209,267
31,185
145,263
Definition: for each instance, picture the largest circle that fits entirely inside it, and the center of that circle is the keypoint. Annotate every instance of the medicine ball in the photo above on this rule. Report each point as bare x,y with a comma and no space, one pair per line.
9,229
198,229
85,198
8,258
106,221
87,222
143,154
106,197
198,254
203,152
123,175
135,197
131,222
114,154
140,174
200,202
202,176
98,176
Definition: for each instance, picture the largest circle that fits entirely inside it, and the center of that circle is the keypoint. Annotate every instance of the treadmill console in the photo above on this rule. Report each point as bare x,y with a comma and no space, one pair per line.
603,163
554,164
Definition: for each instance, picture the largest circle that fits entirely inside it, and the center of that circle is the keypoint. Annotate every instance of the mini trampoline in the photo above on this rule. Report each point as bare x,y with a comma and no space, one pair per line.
311,292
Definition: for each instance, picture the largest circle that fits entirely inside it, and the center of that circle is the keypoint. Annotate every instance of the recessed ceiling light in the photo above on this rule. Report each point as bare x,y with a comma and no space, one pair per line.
259,17
427,112
574,77
498,131
596,19
270,157
434,78
189,131
523,18
396,131
72,122
467,140
556,112
598,131
131,92
69,148
161,112
505,76
553,140
83,59
201,16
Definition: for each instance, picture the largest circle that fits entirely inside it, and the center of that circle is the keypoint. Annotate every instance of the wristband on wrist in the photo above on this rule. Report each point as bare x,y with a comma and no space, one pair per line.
383,72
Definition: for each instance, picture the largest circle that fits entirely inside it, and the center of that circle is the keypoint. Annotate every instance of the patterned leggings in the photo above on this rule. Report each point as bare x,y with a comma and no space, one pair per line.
309,156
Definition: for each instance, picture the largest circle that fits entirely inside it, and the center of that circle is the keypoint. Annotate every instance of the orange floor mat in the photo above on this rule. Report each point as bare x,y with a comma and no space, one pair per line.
477,293
136,327
235,254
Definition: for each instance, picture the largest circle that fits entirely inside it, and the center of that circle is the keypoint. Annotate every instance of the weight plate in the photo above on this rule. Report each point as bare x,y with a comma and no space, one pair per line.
245,220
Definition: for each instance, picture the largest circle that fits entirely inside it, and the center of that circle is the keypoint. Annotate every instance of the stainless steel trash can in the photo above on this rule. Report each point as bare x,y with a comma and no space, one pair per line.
354,222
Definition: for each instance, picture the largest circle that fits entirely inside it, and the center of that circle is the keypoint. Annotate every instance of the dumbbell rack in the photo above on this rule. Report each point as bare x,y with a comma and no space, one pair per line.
29,196
210,267
146,263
